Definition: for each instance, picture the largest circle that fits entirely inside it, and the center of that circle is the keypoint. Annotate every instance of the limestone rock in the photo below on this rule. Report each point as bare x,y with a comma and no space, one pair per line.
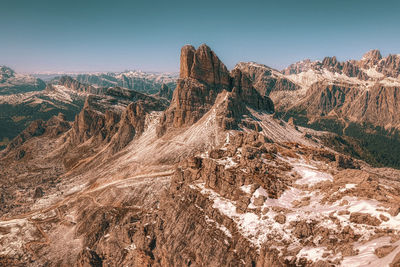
203,77
364,218
186,62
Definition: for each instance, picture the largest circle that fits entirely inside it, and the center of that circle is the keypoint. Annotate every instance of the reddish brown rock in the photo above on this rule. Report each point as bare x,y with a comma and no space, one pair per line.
280,218
370,58
208,68
203,77
186,62
364,218
383,251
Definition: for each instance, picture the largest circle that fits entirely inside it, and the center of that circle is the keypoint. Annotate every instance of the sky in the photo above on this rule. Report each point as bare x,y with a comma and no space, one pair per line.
99,35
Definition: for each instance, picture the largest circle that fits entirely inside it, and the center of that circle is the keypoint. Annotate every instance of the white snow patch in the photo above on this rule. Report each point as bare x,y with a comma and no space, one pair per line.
254,228
260,192
228,162
314,254
246,188
347,187
131,247
310,174
367,256
373,73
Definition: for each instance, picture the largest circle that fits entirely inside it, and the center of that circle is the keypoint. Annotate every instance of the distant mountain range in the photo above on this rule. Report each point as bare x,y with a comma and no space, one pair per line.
13,83
148,82
356,99
24,98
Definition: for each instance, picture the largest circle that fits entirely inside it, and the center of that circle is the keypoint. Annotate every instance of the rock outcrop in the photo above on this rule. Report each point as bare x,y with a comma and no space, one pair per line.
119,115
390,66
204,65
370,59
202,78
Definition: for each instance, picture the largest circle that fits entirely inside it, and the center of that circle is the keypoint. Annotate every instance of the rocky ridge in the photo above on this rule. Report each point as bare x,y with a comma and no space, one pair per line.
75,85
341,97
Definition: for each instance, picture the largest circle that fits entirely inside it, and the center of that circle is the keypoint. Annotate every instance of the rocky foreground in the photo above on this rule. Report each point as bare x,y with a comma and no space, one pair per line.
208,179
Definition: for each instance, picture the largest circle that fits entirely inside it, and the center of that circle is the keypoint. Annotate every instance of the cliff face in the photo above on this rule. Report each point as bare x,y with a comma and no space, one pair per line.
202,78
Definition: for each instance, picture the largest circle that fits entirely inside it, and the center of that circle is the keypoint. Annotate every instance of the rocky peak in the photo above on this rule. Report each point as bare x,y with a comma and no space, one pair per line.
203,77
203,65
114,118
256,68
248,94
370,59
372,55
332,64
329,61
298,67
186,62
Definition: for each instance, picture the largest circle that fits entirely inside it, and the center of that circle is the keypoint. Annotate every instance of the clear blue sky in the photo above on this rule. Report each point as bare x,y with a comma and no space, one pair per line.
98,35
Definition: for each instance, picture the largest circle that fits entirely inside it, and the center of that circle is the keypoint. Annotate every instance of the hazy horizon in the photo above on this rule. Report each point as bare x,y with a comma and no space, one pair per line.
100,36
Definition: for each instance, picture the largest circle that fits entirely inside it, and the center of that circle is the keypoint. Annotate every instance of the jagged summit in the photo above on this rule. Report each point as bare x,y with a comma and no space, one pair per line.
373,55
298,67
202,78
203,65
265,79
369,67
